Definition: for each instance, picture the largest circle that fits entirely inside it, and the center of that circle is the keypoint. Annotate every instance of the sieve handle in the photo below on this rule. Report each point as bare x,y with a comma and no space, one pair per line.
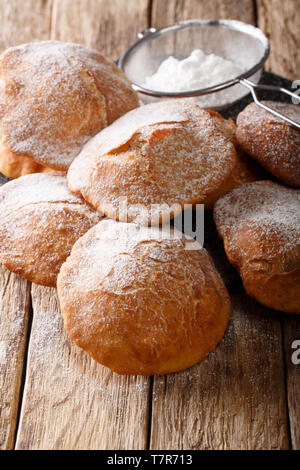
253,87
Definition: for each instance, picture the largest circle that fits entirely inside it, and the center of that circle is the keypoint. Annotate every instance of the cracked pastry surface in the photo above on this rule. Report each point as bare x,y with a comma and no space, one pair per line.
138,302
260,226
54,96
157,156
41,220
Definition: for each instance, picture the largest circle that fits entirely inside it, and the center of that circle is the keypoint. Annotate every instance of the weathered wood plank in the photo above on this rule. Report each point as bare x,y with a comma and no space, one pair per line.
24,21
281,23
70,401
291,328
107,26
235,398
20,21
14,308
164,13
249,401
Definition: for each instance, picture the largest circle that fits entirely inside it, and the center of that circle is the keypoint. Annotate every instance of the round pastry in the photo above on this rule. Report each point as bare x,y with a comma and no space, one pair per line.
140,303
14,166
271,141
54,96
245,169
150,162
40,221
260,225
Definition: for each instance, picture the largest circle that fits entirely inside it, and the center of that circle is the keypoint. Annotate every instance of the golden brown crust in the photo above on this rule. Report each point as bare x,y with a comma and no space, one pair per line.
138,302
55,96
245,169
260,225
13,166
41,220
159,155
271,141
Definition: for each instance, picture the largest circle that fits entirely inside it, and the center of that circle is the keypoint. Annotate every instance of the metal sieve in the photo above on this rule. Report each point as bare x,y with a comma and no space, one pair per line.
241,43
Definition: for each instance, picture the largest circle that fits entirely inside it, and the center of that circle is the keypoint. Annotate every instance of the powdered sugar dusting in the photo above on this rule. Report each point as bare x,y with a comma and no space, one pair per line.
271,141
51,103
258,113
160,154
36,188
41,222
122,130
127,291
110,246
266,210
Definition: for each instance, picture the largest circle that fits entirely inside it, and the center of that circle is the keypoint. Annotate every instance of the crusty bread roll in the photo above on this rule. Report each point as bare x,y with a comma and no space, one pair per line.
54,97
260,225
157,156
271,141
138,302
14,166
245,169
40,221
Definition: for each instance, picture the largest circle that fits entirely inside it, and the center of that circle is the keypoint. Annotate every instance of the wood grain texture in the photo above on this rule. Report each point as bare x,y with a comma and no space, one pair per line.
20,21
24,21
235,398
14,308
280,20
164,13
109,26
70,401
291,328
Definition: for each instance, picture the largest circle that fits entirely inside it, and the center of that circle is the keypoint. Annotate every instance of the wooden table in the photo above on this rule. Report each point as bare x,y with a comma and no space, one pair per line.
244,395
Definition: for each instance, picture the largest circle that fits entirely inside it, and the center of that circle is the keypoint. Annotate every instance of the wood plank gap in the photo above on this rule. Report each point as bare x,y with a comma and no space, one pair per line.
149,13
14,306
149,416
291,332
285,383
255,14
51,19
24,368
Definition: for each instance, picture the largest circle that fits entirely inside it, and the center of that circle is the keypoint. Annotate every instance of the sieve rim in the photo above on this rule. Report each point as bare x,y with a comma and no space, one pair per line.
152,33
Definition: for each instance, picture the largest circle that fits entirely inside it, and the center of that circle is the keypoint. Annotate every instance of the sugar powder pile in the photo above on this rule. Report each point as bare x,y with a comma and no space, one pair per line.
197,71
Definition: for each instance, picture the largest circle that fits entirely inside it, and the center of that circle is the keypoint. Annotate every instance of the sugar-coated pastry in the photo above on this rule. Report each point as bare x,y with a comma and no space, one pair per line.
14,166
54,96
245,170
260,225
40,221
271,141
140,303
157,156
